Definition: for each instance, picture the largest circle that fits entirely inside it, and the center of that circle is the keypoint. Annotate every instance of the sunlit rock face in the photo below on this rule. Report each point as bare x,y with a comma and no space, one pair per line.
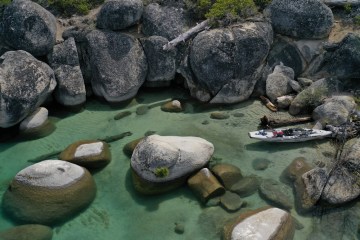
29,27
49,192
25,83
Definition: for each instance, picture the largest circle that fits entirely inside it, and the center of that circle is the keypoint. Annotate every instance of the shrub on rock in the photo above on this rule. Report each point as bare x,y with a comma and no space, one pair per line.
49,192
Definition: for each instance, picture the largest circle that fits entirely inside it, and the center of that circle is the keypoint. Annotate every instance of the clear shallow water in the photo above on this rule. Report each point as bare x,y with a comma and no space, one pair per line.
118,212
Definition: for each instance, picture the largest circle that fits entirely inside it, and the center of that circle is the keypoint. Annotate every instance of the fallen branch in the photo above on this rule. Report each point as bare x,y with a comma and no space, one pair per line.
277,122
184,36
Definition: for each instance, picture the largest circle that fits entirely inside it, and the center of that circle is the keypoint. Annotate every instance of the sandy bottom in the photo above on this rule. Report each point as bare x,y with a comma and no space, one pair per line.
118,212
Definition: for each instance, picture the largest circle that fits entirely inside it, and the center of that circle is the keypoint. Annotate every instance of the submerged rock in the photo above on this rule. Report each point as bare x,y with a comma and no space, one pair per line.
161,163
27,232
87,153
28,26
277,193
219,115
246,186
205,185
260,163
119,14
228,174
173,106
55,190
231,201
25,83
263,223
36,124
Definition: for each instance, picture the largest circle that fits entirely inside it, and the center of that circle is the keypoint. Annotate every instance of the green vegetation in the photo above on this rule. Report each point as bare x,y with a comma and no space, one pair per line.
69,7
347,7
231,9
161,172
4,2
226,11
357,20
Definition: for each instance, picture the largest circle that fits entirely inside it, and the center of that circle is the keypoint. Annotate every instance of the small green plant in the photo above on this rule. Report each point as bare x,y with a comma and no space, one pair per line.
357,20
161,172
4,2
347,8
231,9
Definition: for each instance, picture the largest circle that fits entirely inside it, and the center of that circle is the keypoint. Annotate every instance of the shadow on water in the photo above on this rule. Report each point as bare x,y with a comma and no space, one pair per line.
152,202
282,146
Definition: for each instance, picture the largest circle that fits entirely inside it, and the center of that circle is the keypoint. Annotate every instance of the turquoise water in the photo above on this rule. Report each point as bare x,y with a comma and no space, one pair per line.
118,212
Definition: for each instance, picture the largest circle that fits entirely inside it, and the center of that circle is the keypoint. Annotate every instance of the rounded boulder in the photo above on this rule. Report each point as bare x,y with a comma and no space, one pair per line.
49,192
161,163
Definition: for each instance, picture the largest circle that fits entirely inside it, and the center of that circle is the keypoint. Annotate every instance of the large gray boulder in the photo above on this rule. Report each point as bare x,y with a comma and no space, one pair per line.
162,63
278,82
308,99
55,190
25,83
228,62
335,111
119,14
161,163
342,184
118,65
168,22
306,19
64,60
284,50
28,26
341,60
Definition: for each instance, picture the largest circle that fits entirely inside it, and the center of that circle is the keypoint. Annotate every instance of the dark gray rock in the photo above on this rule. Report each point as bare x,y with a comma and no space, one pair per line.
304,82
306,19
119,14
260,163
308,99
246,186
285,51
25,83
231,201
118,65
277,83
168,22
341,60
64,60
336,224
228,62
28,26
335,111
162,64
276,193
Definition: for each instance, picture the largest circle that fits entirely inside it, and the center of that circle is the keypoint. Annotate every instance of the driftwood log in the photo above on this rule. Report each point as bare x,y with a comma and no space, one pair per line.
184,36
269,122
268,104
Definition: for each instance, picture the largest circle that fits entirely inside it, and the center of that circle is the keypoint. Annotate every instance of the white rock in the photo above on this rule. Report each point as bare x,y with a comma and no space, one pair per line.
36,119
50,173
90,149
176,103
260,226
181,155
